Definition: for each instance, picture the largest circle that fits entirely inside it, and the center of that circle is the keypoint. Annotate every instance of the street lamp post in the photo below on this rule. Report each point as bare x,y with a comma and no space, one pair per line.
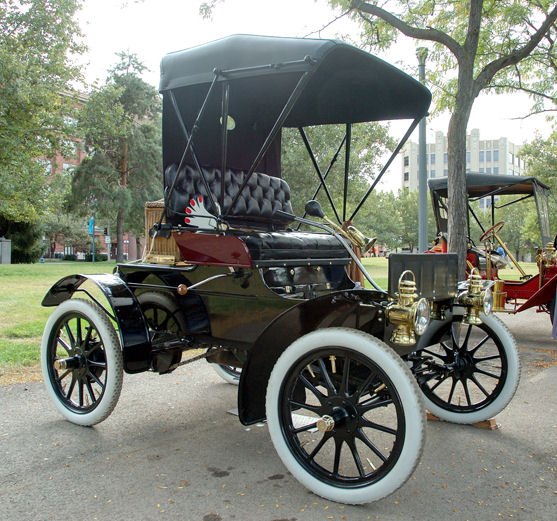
421,53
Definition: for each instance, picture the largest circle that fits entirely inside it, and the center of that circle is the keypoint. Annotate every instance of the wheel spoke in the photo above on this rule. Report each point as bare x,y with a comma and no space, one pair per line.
97,364
60,378
300,405
369,405
352,445
71,388
466,338
363,437
96,378
479,386
320,396
486,358
80,389
438,383
90,390
338,450
345,376
491,375
453,387
372,425
319,446
327,378
453,337
69,333
79,336
304,428
362,388
480,344
466,391
67,348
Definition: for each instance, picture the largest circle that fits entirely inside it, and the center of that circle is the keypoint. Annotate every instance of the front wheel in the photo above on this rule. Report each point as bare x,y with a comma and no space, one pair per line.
81,362
345,415
472,373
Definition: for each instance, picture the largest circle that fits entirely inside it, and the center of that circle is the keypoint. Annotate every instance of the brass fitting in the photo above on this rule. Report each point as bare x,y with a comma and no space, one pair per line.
549,255
474,299
499,296
403,313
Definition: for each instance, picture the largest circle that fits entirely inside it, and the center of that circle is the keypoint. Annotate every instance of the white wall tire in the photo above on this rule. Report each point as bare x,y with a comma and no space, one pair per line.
371,391
80,332
231,375
494,364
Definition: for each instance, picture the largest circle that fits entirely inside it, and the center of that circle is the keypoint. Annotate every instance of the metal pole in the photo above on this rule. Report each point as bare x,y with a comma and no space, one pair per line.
421,53
93,249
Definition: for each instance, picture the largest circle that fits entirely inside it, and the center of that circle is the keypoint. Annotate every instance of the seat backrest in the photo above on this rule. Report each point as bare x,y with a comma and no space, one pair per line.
256,207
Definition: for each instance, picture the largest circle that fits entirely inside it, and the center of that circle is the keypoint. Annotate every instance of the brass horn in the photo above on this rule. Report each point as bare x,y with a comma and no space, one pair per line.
355,236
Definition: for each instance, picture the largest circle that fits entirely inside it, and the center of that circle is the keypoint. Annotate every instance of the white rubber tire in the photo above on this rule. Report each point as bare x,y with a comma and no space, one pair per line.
406,388
232,379
509,387
113,353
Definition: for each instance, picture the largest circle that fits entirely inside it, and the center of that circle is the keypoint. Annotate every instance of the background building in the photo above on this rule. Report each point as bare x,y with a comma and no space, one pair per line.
489,156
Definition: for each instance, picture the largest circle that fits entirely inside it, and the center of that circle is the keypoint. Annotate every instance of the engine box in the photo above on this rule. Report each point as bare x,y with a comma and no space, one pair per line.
436,273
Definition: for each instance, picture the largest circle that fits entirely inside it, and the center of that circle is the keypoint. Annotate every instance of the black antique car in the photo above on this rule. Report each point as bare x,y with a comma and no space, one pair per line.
334,368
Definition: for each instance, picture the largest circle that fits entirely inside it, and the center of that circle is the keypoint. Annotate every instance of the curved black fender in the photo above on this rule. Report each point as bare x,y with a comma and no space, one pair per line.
132,327
331,310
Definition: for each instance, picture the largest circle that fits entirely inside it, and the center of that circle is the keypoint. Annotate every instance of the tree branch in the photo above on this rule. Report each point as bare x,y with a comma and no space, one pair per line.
473,34
429,34
521,88
492,68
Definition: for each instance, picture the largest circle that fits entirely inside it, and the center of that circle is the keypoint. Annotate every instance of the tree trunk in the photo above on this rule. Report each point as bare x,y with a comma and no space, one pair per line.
120,236
457,194
120,218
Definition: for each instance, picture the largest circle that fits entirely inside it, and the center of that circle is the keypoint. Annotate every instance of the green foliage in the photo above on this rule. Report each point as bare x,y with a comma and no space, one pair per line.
26,240
121,126
370,143
505,27
541,162
37,40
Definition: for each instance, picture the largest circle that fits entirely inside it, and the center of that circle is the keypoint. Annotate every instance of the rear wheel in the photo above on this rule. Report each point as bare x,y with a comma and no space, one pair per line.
81,362
472,373
345,415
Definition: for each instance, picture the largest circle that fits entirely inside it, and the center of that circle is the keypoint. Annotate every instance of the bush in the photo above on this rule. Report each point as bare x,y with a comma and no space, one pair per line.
27,246
70,257
99,257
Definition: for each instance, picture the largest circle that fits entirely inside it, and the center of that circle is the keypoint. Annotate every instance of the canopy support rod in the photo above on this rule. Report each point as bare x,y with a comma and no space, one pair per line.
272,134
194,130
192,150
331,164
224,139
515,201
346,168
316,166
475,218
387,165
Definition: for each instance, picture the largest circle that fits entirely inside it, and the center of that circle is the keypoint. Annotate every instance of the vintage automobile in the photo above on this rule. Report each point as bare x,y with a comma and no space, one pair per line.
510,296
334,368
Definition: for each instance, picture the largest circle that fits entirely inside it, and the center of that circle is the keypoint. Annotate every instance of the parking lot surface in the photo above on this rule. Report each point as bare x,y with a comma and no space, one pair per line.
171,451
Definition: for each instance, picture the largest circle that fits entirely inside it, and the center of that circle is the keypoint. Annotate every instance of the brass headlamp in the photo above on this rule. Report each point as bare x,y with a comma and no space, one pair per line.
475,299
408,315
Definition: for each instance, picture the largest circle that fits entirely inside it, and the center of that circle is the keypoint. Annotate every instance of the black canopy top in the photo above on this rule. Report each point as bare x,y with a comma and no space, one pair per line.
347,85
480,185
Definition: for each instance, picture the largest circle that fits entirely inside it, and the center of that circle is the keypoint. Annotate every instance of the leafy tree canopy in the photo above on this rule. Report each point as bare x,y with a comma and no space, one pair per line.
121,126
37,41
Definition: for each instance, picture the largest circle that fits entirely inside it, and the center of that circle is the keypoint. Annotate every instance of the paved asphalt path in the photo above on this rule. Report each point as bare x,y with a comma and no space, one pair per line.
170,451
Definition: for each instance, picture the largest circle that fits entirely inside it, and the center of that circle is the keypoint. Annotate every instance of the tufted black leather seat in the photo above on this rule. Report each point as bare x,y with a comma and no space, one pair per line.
268,240
256,207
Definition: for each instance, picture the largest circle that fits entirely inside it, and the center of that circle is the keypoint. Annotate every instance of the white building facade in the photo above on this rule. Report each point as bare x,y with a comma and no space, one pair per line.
490,156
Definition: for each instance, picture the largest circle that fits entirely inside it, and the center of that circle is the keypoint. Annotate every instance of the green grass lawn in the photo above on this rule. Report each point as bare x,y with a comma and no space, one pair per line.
22,318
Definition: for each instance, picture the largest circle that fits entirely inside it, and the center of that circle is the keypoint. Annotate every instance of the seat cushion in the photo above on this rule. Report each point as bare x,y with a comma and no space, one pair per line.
257,205
289,248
